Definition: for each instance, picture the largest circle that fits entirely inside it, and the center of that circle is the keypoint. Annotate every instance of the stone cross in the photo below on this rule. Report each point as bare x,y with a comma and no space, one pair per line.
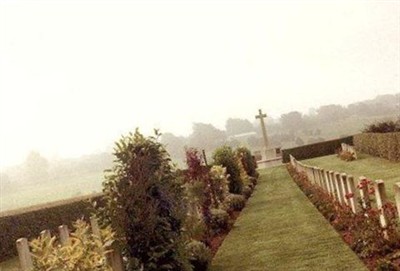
261,116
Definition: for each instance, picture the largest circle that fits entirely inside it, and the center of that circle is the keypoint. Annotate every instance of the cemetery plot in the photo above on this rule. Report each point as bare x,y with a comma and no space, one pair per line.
358,208
281,230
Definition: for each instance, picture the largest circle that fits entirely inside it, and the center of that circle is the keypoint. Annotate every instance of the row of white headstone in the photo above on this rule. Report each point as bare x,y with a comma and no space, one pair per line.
349,148
342,188
113,254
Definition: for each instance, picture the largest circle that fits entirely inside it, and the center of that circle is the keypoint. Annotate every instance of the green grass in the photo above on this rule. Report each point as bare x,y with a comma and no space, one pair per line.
10,265
33,194
281,230
373,168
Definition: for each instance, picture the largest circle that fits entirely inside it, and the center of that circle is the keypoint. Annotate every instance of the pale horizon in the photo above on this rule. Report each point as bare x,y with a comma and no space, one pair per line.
74,76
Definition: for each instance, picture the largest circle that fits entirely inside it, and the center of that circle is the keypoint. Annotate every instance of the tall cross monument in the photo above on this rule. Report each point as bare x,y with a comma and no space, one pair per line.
261,116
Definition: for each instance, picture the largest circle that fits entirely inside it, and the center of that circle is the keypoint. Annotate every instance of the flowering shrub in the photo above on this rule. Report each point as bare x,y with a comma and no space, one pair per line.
347,156
362,231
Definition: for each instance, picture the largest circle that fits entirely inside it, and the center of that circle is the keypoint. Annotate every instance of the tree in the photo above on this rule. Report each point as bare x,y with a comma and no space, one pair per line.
175,145
145,205
206,136
331,113
292,121
238,126
36,168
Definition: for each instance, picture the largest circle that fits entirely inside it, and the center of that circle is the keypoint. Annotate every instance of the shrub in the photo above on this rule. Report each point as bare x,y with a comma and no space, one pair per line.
145,205
199,255
218,185
383,127
225,157
219,220
246,192
247,160
253,180
235,202
31,221
198,182
347,156
315,150
385,145
84,251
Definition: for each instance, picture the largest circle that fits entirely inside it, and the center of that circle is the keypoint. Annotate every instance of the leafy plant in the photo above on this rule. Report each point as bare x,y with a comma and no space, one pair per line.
145,205
83,251
219,220
246,192
225,157
235,202
248,161
200,255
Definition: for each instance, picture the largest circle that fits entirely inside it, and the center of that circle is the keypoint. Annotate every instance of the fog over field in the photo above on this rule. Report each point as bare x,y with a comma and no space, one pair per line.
76,75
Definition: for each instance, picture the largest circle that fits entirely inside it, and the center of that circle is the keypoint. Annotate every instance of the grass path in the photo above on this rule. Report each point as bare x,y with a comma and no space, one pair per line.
281,230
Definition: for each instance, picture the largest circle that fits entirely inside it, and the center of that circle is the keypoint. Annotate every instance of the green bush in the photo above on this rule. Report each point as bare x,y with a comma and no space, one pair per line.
315,150
219,220
235,202
247,160
199,254
225,157
31,221
145,205
246,192
384,145
383,127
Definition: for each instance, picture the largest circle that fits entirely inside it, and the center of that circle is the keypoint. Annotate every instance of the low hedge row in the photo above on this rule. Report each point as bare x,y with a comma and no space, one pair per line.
384,145
29,222
316,149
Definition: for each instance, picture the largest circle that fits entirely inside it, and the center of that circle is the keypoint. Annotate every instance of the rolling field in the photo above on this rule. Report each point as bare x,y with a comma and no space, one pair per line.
33,194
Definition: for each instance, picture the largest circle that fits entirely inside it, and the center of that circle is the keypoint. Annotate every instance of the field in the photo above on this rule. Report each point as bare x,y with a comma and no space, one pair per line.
28,195
371,167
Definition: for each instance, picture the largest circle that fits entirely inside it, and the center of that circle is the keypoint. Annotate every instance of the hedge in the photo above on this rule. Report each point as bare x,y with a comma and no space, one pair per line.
29,222
316,149
384,145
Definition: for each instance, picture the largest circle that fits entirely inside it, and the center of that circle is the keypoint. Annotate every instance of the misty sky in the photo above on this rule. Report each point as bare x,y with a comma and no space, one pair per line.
75,75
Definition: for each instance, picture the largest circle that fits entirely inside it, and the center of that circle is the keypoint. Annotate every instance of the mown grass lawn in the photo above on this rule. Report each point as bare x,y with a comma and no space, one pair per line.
281,230
373,168
10,265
